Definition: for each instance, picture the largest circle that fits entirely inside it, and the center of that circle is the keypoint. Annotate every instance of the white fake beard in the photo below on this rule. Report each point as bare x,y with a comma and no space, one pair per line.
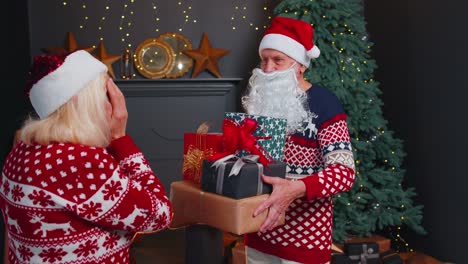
277,94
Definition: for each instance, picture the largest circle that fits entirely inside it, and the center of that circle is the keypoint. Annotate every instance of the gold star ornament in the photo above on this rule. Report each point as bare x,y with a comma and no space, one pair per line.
107,59
206,57
70,46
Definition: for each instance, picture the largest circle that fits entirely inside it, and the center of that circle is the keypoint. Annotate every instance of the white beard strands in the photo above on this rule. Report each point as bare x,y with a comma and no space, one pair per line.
277,94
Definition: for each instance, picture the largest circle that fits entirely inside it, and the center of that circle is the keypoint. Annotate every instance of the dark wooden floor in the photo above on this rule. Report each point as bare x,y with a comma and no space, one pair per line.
165,247
169,246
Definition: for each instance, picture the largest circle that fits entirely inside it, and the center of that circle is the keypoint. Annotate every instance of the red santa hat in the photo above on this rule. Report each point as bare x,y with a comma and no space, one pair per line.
292,37
54,79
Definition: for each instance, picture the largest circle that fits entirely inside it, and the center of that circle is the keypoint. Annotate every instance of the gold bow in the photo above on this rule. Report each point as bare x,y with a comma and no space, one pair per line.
193,162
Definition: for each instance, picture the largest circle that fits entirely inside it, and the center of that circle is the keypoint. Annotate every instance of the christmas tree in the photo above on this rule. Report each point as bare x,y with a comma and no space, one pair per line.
378,202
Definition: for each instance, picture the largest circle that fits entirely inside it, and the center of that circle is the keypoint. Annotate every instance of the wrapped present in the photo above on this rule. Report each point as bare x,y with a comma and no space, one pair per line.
239,255
340,258
363,253
194,206
391,257
239,177
270,133
383,242
198,147
234,249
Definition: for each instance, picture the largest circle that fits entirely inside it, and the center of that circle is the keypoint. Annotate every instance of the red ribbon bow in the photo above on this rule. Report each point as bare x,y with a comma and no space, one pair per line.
240,136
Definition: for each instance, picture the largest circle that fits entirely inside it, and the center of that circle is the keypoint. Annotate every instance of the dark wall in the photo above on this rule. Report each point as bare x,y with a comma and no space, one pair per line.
13,105
50,20
420,47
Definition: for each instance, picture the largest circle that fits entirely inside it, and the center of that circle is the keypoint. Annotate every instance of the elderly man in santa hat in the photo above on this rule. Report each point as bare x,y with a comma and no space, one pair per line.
318,149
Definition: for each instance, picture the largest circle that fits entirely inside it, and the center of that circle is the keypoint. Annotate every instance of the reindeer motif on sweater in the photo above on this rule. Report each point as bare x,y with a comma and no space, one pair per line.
46,226
129,219
70,203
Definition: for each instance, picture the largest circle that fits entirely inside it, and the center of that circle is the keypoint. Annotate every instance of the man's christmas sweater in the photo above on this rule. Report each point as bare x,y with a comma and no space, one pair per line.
68,203
320,156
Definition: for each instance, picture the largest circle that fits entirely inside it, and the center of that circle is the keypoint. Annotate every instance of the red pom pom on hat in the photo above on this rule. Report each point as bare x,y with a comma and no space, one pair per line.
292,37
54,79
42,66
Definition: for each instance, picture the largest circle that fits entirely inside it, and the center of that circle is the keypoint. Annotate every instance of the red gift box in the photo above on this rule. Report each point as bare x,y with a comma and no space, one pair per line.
198,147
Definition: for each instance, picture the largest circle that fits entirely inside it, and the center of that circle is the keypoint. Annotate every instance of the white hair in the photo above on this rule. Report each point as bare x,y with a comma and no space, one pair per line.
82,120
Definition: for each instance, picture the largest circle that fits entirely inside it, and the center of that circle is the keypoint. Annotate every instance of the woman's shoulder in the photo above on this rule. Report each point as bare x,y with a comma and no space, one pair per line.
73,152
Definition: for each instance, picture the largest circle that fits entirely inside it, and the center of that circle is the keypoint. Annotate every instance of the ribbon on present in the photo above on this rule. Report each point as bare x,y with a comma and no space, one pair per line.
193,162
367,253
220,166
240,137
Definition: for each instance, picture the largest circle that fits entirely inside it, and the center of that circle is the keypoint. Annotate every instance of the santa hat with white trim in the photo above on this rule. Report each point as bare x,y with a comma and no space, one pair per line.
55,79
292,37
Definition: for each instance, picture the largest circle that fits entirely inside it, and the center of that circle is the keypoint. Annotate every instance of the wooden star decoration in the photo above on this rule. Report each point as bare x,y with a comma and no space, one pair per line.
206,57
70,46
106,58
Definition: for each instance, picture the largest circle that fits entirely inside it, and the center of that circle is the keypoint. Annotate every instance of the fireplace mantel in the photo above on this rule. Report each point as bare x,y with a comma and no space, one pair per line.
178,87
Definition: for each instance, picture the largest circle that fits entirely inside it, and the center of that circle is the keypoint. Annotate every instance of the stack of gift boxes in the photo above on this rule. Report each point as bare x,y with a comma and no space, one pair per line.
222,183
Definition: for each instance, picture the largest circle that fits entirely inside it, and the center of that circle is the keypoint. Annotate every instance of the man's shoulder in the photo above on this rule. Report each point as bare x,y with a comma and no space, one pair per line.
321,97
320,91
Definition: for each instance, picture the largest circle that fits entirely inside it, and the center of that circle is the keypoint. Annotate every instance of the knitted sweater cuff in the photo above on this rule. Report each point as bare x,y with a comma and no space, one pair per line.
312,187
122,148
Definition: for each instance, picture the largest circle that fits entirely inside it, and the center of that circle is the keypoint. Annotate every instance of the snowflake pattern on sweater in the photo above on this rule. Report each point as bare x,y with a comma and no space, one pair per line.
321,156
68,203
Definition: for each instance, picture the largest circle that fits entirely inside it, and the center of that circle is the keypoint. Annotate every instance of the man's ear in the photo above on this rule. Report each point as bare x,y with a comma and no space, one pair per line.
302,69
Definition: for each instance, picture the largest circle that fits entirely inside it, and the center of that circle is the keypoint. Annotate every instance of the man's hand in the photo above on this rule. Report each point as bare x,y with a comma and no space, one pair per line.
284,193
119,113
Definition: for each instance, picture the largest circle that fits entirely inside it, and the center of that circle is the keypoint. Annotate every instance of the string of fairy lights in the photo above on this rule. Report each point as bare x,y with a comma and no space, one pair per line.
85,12
103,19
185,7
126,23
240,16
156,18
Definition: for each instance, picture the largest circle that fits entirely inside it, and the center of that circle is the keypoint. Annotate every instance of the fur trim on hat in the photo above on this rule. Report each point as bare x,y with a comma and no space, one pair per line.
57,87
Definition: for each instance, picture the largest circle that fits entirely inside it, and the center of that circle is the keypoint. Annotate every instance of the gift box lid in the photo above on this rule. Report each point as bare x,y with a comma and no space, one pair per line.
359,248
384,243
363,251
339,258
247,182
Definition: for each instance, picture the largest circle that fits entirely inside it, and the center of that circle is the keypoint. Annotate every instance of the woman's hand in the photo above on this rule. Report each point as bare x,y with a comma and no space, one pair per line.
284,193
119,114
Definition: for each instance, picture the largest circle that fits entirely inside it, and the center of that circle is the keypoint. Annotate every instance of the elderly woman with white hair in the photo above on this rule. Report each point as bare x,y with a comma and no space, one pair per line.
75,188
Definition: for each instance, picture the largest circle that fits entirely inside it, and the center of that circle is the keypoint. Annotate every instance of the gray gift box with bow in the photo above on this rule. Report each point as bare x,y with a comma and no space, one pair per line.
363,253
239,177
